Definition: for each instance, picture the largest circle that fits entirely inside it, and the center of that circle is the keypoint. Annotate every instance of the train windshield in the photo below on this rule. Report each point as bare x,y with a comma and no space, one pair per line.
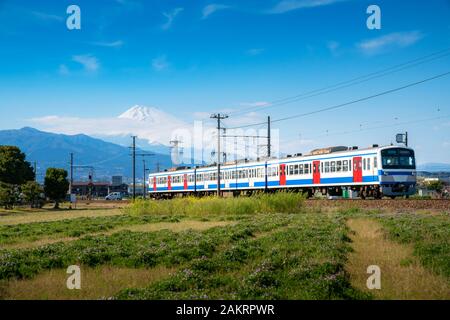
398,158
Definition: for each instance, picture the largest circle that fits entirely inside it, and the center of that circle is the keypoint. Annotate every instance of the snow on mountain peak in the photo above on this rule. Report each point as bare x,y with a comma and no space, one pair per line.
143,113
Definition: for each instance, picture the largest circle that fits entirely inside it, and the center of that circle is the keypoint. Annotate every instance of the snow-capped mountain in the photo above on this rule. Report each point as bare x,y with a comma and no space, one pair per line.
148,114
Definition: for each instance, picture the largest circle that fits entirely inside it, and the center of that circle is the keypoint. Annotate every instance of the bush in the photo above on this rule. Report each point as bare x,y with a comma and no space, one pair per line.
280,202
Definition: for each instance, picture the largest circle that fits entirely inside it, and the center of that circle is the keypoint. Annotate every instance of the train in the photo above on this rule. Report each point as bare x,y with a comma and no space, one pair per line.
376,171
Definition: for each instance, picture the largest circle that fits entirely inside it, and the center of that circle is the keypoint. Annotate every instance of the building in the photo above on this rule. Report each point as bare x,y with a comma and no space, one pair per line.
116,180
91,189
117,185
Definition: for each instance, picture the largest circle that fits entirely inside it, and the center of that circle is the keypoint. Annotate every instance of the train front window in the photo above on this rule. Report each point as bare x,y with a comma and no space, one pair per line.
398,159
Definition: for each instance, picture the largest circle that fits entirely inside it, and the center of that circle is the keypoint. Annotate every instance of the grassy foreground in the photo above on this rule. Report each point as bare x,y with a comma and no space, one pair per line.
261,247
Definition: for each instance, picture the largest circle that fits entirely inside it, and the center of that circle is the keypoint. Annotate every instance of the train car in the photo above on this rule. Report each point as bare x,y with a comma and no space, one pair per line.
372,172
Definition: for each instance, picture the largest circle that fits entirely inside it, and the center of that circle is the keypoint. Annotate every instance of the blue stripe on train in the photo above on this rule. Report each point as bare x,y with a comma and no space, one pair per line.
393,173
296,182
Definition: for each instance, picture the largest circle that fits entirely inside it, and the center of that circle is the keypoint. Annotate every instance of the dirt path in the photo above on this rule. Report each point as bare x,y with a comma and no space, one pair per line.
402,276
101,282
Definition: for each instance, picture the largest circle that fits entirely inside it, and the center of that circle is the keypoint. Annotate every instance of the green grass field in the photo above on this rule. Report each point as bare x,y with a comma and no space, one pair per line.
262,247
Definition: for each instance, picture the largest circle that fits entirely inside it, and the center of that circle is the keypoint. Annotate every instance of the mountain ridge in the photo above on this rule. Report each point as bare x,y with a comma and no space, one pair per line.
53,150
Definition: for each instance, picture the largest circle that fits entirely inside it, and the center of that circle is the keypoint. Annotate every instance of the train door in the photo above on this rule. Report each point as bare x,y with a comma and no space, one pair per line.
185,178
282,174
169,183
357,169
154,183
316,172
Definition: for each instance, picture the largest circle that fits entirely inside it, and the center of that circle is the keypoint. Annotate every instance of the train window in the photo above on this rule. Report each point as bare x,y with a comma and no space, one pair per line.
345,165
368,163
338,166
307,168
291,170
300,169
364,164
350,168
327,166
333,166
375,162
296,169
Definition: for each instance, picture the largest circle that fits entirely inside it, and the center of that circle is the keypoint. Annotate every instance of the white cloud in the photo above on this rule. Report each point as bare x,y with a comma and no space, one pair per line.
153,130
171,17
289,5
255,51
89,62
160,63
113,44
47,17
255,104
389,41
211,8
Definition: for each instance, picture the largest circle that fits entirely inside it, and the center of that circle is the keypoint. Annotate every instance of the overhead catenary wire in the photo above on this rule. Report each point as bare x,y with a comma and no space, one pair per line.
349,102
383,126
348,83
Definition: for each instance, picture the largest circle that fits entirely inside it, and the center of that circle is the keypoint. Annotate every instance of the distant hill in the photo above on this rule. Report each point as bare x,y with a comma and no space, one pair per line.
434,167
53,150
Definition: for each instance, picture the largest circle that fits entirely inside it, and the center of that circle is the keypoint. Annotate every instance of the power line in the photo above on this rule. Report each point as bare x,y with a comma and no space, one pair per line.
382,127
348,83
350,102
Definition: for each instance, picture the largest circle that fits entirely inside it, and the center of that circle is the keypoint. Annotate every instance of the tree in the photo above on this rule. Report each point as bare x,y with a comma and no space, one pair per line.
13,167
437,186
8,195
31,192
56,185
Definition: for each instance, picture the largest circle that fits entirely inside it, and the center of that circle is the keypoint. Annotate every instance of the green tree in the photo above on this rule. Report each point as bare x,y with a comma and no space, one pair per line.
56,185
31,192
437,186
13,167
8,195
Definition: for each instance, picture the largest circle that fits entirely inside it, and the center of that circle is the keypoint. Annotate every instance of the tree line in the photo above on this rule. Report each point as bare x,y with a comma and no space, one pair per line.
18,185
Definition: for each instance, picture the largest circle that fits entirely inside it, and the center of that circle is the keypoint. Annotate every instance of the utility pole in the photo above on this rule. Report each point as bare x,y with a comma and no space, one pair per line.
406,139
219,117
269,146
145,172
134,166
71,173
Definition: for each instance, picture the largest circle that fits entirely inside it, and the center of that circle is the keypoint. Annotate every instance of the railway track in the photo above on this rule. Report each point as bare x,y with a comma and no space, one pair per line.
397,204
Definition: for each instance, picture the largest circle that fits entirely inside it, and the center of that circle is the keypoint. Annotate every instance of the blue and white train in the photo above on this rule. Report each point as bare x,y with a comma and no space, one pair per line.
372,172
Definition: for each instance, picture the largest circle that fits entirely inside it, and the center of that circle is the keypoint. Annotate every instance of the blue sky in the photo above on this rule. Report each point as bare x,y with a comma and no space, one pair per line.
190,58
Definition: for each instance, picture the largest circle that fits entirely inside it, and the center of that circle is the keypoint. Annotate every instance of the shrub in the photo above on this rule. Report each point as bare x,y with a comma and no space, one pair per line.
280,202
